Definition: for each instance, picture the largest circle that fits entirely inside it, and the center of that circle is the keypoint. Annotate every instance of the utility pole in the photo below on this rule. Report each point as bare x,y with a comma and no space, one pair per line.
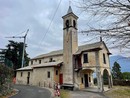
22,62
24,47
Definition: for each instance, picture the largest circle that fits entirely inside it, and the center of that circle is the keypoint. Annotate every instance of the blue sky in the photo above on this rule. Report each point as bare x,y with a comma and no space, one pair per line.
16,16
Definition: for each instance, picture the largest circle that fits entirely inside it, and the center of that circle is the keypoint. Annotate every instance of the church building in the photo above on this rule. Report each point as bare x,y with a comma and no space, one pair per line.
73,67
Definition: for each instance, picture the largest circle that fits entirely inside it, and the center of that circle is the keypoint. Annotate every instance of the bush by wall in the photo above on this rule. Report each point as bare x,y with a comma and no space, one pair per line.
121,82
6,74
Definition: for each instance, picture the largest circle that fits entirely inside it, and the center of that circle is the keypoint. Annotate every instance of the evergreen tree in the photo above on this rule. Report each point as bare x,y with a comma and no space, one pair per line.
116,71
14,53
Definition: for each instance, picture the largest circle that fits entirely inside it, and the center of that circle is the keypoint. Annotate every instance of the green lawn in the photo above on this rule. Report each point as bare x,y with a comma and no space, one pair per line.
119,92
64,94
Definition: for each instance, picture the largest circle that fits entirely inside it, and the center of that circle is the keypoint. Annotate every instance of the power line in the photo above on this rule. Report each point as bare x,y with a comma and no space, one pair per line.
50,24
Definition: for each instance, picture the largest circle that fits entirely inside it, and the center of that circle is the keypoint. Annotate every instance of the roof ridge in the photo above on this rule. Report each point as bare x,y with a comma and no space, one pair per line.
91,43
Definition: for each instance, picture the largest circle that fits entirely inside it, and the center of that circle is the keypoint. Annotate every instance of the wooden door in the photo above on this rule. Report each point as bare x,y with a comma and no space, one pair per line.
61,79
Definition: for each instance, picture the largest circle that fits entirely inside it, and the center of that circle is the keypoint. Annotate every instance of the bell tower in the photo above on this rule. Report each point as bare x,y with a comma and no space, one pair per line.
70,45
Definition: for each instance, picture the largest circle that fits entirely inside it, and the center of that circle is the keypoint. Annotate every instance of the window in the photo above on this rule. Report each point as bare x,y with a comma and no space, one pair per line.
67,23
21,74
89,79
51,59
56,72
74,23
31,62
39,61
82,80
48,74
28,74
104,59
85,58
35,60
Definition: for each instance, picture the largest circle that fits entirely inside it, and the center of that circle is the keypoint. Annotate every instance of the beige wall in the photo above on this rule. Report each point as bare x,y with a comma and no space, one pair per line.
101,57
91,59
40,77
107,65
23,79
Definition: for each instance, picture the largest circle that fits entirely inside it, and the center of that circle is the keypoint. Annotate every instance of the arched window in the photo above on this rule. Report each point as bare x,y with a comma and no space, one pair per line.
67,23
74,23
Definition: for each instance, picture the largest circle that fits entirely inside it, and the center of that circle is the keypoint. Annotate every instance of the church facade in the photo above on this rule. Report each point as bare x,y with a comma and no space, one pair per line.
71,67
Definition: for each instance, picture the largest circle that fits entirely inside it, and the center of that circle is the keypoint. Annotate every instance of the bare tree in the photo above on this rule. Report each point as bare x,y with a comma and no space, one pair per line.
118,13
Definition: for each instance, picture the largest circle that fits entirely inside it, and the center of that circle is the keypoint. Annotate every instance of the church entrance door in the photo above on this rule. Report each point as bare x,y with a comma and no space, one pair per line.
86,80
28,77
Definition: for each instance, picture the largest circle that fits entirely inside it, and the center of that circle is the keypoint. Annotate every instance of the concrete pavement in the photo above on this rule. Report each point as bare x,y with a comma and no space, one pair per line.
84,94
31,92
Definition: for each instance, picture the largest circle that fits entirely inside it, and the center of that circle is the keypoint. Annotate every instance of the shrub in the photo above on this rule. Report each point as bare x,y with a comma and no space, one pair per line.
121,82
6,74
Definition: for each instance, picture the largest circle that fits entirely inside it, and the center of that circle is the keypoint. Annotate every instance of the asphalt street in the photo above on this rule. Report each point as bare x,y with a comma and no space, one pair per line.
31,92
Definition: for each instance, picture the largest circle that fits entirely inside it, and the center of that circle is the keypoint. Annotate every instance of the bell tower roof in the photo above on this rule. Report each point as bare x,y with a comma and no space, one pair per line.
70,13
69,10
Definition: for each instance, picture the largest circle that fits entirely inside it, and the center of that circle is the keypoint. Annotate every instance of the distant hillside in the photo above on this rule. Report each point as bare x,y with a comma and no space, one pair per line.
124,63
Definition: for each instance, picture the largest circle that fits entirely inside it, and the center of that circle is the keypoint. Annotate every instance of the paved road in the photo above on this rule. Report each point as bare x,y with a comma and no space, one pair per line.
31,92
84,94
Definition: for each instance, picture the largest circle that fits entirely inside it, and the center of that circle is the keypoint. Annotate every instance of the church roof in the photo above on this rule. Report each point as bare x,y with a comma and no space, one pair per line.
52,53
49,64
81,48
25,68
89,47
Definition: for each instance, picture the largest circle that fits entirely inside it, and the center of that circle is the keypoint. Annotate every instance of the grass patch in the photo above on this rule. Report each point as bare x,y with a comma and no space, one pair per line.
64,94
119,92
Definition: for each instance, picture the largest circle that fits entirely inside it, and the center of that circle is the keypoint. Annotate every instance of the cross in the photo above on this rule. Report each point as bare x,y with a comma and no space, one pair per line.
69,2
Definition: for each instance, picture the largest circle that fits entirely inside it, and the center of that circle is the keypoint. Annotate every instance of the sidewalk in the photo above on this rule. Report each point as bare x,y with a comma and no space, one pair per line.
52,92
94,89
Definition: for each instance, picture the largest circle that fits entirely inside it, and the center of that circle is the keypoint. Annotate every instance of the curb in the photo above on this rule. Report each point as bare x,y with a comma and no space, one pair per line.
52,92
16,90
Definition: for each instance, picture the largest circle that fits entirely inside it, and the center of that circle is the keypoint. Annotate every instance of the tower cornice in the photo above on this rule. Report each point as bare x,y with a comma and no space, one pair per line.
70,14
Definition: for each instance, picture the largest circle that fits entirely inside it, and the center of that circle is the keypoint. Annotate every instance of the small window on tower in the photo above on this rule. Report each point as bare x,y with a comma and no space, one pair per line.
67,23
74,23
